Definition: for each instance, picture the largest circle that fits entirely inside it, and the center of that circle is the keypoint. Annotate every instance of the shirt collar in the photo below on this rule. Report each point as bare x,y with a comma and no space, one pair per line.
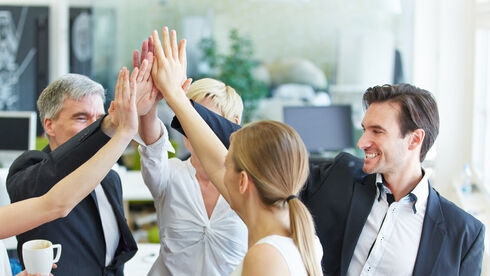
417,197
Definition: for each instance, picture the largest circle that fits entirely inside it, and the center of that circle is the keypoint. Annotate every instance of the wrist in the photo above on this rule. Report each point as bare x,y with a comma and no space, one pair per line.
107,126
125,133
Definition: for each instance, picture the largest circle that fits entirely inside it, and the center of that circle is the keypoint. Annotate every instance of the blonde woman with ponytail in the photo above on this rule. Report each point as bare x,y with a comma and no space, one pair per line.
260,176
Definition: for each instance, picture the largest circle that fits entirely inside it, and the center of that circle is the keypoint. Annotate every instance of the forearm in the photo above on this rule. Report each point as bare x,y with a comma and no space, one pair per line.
208,148
149,127
68,192
24,215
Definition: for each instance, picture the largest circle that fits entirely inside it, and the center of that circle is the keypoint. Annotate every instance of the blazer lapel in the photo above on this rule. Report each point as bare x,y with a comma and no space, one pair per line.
433,236
361,203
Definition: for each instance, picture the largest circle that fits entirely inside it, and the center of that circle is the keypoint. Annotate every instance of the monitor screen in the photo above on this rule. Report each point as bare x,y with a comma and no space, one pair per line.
18,130
322,128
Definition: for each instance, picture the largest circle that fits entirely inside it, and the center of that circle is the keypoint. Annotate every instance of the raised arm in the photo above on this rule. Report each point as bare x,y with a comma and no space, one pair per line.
168,73
67,193
149,124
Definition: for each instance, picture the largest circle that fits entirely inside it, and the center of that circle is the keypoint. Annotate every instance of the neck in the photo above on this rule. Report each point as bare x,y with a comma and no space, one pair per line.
263,221
405,180
201,175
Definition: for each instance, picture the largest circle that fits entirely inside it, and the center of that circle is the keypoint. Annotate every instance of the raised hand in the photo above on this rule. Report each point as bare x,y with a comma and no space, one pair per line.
146,47
146,93
169,69
123,109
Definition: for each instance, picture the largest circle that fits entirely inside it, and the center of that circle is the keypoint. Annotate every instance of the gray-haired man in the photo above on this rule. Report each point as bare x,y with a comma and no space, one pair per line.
95,237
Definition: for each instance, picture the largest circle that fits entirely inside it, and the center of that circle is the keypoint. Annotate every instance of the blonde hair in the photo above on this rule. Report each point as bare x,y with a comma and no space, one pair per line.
275,157
223,96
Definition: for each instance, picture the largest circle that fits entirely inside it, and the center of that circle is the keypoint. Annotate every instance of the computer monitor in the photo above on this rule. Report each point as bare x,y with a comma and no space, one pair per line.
17,134
322,128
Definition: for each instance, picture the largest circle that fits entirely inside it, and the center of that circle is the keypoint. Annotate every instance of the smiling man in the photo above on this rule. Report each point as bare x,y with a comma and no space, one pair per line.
95,237
380,215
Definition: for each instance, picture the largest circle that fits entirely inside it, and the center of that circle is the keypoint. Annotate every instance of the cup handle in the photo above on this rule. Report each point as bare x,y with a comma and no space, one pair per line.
58,252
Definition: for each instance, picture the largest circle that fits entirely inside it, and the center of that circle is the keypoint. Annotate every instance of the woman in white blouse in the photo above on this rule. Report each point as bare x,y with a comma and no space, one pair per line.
260,176
65,195
199,233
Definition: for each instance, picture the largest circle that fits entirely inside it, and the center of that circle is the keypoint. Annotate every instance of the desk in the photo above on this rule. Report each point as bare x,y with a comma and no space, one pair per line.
141,263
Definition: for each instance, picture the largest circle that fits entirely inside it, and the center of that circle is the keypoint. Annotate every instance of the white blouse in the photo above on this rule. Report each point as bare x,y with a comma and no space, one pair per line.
191,243
4,261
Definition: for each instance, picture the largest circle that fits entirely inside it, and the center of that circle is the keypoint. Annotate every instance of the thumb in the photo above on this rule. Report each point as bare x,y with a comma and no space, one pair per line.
187,84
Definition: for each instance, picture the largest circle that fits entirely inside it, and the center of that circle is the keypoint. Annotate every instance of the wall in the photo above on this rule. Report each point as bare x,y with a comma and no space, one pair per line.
286,28
443,64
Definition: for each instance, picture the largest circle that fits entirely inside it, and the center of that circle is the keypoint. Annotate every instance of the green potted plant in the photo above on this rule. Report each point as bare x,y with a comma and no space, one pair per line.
235,69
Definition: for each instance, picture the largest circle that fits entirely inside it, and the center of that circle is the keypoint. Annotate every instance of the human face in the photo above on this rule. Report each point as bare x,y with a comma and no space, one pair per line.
73,117
386,151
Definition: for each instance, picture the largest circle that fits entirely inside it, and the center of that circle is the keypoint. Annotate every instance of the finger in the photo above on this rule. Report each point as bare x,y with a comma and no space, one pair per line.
144,50
118,86
150,44
183,55
158,48
166,43
175,48
125,90
132,92
154,71
148,69
136,59
186,85
142,71
135,72
111,108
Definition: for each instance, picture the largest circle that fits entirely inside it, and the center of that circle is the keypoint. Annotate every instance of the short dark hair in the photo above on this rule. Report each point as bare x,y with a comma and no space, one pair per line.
418,110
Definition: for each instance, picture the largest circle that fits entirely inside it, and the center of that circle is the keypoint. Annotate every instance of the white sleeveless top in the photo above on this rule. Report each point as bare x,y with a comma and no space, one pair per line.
289,252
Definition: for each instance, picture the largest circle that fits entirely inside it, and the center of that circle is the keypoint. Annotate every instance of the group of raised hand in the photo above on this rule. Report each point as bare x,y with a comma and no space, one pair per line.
159,72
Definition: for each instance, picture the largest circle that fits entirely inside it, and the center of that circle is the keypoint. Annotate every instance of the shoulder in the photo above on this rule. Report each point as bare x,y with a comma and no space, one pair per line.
264,259
26,160
457,220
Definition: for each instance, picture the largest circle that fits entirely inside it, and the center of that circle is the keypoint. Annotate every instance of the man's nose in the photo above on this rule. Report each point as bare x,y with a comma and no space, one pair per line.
363,141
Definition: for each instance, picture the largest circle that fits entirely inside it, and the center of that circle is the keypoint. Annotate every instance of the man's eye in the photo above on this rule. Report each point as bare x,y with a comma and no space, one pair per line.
80,118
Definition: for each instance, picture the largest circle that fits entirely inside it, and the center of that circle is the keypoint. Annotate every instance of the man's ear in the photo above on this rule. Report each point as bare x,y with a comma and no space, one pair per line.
48,126
416,138
244,182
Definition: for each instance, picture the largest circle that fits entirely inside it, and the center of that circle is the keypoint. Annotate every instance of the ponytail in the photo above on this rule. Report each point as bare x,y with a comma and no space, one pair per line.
303,234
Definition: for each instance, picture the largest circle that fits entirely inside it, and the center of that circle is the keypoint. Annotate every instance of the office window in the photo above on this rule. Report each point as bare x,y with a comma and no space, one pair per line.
481,118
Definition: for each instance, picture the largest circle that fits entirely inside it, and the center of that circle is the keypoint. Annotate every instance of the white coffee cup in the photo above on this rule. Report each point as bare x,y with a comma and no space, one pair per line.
38,256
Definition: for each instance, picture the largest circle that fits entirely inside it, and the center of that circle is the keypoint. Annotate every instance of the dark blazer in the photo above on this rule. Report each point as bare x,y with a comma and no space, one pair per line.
340,196
80,233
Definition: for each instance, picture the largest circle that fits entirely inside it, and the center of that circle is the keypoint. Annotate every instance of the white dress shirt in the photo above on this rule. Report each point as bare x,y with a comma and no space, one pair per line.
4,261
390,238
109,224
191,243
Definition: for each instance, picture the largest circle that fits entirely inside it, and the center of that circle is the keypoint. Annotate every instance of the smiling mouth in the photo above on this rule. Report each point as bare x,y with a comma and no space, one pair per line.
371,155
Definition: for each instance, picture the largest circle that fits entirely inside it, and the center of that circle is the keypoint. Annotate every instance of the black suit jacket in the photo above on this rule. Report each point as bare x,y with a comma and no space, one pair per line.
80,233
340,196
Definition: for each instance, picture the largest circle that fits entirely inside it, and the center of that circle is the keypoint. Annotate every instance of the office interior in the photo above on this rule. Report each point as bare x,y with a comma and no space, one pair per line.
304,53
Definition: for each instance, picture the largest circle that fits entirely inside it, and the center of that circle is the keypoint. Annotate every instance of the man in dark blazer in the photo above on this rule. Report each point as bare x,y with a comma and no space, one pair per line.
380,216
95,237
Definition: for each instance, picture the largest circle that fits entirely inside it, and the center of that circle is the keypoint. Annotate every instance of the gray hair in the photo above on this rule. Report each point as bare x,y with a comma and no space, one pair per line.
72,86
